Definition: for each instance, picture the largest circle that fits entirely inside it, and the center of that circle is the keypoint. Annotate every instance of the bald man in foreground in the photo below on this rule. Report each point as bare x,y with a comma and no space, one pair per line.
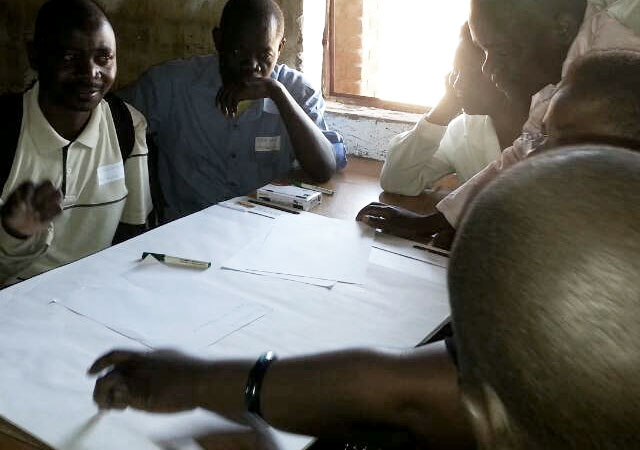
545,310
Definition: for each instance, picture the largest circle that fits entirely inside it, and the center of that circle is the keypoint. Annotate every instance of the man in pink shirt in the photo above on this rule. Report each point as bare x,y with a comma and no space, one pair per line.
528,44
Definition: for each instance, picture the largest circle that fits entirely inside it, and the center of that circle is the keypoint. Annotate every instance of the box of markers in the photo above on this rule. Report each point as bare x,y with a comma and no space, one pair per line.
291,196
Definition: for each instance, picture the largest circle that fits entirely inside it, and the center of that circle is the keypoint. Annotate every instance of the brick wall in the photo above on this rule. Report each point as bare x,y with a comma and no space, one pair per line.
149,32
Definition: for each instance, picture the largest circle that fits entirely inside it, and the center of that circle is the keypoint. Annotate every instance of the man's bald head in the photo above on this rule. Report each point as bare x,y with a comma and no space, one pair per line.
546,303
598,101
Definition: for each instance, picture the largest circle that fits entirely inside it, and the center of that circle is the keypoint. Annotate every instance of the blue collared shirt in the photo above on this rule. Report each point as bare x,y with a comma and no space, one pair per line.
204,157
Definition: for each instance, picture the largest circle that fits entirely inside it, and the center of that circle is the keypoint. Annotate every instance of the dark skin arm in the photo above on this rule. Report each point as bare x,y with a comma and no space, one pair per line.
313,150
413,394
404,223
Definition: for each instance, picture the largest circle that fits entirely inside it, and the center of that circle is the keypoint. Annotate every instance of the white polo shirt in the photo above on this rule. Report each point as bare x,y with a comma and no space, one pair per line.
99,190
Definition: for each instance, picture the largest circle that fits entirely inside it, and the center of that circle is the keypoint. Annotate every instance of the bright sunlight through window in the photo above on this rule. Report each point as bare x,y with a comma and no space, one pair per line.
402,50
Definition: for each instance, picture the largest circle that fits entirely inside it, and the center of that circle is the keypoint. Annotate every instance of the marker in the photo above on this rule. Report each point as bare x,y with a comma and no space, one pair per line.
315,188
273,205
431,249
175,261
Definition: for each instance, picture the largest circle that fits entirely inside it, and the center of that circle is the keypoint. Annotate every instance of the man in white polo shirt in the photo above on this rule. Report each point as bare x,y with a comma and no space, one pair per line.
76,181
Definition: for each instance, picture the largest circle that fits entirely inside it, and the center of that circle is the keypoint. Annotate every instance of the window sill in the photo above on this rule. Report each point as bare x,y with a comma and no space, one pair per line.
384,115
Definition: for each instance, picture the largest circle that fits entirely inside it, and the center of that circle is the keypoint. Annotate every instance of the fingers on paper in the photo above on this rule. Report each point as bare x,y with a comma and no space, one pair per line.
111,391
374,210
112,358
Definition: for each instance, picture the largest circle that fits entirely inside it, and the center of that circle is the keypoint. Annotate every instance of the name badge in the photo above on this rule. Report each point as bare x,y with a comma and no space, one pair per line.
110,173
268,144
270,107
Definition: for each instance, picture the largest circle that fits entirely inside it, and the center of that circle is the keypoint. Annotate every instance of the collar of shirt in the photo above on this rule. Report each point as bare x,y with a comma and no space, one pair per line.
45,136
626,12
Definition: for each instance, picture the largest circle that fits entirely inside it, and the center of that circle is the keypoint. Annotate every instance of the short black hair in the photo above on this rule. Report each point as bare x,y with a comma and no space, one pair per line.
612,79
236,12
56,16
544,290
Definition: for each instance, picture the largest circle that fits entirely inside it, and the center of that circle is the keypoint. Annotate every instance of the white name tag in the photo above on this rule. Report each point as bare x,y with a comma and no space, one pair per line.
268,144
110,173
270,107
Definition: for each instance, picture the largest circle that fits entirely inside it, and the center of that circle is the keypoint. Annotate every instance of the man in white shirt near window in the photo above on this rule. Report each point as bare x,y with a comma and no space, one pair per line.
68,191
445,141
528,45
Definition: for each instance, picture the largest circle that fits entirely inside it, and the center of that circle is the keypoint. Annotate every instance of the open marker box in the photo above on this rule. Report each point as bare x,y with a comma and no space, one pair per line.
291,196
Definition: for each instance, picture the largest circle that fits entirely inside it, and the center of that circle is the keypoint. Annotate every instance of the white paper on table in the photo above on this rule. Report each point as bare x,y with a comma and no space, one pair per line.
309,245
328,284
194,314
404,247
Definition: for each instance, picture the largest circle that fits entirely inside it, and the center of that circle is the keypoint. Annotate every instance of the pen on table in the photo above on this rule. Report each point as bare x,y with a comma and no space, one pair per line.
177,261
315,188
431,249
273,205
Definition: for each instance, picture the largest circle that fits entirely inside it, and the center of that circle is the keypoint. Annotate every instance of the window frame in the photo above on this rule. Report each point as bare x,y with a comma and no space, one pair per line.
353,99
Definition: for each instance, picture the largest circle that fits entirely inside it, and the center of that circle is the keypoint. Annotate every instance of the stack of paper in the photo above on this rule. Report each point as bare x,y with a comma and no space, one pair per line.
309,248
161,306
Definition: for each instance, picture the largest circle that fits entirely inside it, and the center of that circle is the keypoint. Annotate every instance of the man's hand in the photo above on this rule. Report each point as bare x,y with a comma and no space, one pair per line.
449,106
30,209
159,381
401,222
230,95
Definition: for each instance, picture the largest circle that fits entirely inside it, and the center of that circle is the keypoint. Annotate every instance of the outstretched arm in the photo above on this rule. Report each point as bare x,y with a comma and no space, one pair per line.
343,394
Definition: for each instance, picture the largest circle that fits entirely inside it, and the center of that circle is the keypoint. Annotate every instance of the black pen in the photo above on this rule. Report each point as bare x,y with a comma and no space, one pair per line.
176,261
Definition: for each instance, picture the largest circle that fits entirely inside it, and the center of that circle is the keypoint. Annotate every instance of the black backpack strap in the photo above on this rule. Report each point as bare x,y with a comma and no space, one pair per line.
124,124
10,123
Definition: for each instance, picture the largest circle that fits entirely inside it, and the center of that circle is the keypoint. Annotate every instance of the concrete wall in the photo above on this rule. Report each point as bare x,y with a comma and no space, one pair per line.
149,32
153,31
367,136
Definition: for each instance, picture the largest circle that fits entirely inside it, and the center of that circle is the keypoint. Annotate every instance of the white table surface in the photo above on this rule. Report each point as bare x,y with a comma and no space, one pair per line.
45,349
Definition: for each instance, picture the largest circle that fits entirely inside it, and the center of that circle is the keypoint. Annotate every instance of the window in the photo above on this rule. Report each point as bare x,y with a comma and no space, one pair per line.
393,54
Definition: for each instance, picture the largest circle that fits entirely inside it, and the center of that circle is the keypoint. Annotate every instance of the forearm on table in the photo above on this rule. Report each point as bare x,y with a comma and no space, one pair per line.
312,149
345,394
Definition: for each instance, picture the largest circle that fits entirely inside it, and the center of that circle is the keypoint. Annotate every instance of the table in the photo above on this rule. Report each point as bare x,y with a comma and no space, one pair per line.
355,187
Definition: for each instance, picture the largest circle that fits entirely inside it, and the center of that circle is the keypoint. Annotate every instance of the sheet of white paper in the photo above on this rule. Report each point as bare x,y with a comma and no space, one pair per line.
44,359
305,280
310,245
159,306
406,248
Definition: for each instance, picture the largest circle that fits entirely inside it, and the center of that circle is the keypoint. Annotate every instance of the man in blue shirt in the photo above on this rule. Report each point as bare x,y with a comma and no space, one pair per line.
225,125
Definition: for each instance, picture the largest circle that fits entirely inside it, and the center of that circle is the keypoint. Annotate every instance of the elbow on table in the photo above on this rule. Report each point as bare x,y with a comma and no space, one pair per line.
323,172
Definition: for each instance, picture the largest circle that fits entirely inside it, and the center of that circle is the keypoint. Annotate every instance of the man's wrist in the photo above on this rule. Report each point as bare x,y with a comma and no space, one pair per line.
277,92
444,112
12,232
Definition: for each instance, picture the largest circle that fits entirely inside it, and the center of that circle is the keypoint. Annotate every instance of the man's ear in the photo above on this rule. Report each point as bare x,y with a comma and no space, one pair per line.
487,415
33,56
216,34
282,42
